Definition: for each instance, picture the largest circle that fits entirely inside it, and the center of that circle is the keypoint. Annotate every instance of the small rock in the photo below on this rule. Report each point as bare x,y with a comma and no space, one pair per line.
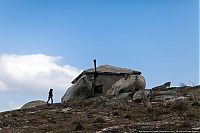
130,101
7,115
66,109
163,97
33,104
168,92
115,113
123,96
164,86
31,113
138,95
181,98
196,128
196,104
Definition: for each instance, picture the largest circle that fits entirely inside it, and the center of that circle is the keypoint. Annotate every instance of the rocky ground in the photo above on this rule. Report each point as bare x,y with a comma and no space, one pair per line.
174,109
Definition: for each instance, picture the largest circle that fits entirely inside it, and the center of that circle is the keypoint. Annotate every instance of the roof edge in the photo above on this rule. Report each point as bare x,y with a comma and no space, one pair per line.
105,73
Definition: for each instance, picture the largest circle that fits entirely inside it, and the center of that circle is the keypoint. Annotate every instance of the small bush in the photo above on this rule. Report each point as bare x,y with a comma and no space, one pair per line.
161,111
99,120
196,104
180,106
79,126
128,116
155,114
115,113
186,124
192,114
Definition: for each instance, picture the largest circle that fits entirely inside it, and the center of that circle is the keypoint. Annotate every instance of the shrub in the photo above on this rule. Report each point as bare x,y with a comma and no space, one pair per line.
115,113
180,106
128,116
192,114
79,126
99,120
186,124
196,104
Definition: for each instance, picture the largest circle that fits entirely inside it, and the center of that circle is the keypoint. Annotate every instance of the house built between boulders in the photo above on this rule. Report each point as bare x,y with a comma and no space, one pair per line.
107,76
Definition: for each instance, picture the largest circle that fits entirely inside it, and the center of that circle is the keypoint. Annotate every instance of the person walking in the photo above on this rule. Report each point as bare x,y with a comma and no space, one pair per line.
50,96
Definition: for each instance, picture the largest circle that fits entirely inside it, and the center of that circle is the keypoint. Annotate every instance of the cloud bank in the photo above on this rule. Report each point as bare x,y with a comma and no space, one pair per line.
34,73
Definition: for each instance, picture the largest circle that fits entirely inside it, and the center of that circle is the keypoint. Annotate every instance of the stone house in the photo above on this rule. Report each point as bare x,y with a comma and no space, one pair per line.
107,76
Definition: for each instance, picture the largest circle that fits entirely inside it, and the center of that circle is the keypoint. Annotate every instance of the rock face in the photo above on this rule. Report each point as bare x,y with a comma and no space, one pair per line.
162,87
130,83
166,92
122,96
82,89
172,94
33,104
138,96
162,97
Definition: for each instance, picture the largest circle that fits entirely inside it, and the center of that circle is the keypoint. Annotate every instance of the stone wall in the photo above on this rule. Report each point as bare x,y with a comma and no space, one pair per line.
106,80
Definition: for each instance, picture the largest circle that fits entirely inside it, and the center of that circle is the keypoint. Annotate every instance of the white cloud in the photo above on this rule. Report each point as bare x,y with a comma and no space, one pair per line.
3,87
34,73
13,105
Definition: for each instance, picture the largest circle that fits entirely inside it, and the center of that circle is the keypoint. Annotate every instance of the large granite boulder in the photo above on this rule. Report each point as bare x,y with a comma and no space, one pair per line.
33,104
130,83
82,89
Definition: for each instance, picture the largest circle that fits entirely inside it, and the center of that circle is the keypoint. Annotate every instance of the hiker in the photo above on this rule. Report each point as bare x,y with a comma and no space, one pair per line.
50,96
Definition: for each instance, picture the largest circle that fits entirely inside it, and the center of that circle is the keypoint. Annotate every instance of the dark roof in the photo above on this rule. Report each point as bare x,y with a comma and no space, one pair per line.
108,70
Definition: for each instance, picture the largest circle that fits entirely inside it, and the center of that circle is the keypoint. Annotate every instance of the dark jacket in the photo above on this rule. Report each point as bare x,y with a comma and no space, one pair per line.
50,93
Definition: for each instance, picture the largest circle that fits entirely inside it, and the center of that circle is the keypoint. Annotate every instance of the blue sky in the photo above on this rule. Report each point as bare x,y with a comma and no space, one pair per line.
159,38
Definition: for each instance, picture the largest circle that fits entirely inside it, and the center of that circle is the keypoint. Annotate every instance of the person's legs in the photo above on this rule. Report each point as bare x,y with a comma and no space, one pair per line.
51,100
48,100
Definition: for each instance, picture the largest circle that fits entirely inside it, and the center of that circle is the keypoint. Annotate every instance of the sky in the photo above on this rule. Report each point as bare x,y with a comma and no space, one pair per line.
47,43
